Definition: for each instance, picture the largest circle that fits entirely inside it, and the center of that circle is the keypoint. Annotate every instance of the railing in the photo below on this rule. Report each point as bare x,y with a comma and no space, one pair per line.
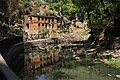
5,72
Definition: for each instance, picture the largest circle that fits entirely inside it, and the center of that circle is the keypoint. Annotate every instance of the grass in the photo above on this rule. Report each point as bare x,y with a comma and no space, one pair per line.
115,64
29,76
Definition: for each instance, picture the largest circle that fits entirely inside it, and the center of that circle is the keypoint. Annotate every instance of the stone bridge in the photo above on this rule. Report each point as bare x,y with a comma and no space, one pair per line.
6,73
13,49
12,56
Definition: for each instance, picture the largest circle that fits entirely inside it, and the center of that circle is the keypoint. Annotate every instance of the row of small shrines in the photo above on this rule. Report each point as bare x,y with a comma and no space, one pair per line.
33,25
36,22
38,36
40,61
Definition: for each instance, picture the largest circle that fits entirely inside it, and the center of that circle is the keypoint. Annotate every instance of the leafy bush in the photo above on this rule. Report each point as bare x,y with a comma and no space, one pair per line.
71,64
20,25
6,27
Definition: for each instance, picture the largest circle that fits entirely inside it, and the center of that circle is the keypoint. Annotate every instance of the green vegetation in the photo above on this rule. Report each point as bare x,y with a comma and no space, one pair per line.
77,71
11,15
115,64
100,14
71,64
68,7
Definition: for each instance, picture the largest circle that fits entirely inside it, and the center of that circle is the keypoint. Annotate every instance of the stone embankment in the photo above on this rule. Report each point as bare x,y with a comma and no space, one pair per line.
108,65
8,74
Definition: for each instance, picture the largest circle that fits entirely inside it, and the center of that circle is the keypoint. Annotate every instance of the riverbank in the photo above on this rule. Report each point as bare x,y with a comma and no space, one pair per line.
74,70
113,63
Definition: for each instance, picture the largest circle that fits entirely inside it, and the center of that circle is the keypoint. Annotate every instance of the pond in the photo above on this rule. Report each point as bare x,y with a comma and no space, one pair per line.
67,68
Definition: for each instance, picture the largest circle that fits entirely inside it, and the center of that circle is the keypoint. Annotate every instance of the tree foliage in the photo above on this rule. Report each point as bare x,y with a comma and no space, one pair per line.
68,8
100,14
12,11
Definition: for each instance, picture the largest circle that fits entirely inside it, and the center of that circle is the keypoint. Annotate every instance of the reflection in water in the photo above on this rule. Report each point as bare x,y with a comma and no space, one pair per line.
42,77
36,60
59,64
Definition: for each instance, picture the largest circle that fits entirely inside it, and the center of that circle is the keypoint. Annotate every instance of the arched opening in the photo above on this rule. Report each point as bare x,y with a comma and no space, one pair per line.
27,25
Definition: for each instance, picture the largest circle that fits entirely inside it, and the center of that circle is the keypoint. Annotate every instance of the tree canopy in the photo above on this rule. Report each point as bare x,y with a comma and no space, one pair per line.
100,14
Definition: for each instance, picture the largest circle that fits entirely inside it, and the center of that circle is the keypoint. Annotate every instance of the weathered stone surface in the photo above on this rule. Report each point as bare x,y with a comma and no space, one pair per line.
116,42
118,76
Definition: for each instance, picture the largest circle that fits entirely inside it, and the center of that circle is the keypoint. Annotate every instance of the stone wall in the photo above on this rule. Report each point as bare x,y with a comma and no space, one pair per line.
8,43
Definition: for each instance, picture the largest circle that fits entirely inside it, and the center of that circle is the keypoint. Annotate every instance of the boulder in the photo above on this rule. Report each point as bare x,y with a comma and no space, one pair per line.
116,42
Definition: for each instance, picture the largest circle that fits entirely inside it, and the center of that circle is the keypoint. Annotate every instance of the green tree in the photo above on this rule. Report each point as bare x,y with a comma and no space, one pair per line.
68,8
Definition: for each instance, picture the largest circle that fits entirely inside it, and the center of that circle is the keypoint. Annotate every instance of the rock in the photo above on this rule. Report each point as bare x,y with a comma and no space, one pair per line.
109,74
118,76
105,60
77,58
79,24
116,42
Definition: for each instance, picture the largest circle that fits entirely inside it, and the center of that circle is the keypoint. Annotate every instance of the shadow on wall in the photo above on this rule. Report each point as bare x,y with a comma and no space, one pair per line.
15,57
10,49
7,43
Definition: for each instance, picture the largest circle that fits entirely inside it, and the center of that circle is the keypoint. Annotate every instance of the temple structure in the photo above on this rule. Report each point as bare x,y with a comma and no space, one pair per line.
36,22
39,21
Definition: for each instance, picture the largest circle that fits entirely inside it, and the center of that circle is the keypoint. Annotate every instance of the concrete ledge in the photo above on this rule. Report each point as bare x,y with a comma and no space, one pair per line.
7,72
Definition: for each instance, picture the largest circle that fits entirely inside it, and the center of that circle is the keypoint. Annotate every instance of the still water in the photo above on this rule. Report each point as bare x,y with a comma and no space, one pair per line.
67,68
98,72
